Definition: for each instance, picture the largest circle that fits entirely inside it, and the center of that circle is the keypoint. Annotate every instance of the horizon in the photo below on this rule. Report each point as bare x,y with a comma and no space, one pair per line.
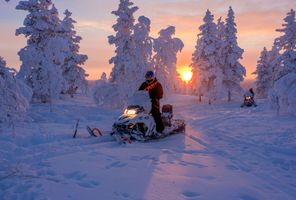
256,25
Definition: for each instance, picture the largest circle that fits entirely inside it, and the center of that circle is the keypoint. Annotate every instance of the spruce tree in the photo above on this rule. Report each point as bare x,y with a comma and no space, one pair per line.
204,59
283,94
166,48
143,48
264,74
104,77
287,42
45,51
233,70
121,84
124,60
13,101
73,74
274,61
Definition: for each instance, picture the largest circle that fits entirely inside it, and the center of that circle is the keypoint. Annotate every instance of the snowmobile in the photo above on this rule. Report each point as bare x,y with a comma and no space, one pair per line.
248,101
137,124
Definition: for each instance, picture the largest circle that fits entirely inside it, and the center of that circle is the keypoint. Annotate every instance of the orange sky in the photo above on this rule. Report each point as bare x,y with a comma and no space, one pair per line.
256,22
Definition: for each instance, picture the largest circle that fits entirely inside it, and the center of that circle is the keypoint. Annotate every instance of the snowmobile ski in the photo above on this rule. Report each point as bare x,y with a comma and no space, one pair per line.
94,132
76,128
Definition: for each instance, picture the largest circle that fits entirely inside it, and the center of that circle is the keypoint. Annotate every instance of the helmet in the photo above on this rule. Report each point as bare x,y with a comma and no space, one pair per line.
150,76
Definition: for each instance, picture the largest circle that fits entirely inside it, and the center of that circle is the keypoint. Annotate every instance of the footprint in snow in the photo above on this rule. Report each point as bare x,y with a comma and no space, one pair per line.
77,175
185,163
167,151
191,195
117,164
148,157
125,195
89,184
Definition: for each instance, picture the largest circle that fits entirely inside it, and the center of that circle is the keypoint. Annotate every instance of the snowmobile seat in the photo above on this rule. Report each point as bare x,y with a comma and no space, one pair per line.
167,108
167,114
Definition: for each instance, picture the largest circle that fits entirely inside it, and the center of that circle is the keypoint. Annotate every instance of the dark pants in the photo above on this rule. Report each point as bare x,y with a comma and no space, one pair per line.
155,111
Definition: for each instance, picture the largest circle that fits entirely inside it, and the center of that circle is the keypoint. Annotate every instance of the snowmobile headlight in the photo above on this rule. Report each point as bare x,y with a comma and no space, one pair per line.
248,97
131,126
130,111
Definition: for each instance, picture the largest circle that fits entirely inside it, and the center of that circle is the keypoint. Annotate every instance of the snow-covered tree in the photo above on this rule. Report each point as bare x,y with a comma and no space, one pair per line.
274,61
124,70
283,93
264,72
166,48
124,73
104,77
73,73
13,101
124,60
287,42
143,48
206,69
221,29
221,90
282,96
102,80
267,70
45,52
233,70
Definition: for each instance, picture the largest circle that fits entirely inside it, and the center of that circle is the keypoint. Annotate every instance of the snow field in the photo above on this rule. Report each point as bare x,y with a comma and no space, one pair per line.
226,153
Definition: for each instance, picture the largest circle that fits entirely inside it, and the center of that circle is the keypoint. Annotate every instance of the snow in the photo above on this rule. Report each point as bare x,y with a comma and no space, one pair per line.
14,96
283,94
226,153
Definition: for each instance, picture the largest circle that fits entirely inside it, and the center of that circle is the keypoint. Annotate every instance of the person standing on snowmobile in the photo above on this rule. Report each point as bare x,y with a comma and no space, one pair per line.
155,93
251,102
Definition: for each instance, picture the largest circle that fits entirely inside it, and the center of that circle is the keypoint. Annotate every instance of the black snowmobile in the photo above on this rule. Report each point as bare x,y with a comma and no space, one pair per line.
136,123
249,100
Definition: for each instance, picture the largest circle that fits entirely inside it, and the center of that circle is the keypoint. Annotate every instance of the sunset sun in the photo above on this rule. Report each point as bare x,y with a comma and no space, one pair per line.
186,75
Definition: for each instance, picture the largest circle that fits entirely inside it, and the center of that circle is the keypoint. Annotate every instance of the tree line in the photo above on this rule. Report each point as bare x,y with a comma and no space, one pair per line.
51,64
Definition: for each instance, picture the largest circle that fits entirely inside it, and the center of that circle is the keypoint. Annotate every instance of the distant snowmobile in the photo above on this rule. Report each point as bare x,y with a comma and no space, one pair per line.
136,123
249,99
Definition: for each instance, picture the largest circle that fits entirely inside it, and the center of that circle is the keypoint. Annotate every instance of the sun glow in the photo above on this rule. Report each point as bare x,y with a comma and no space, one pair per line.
186,75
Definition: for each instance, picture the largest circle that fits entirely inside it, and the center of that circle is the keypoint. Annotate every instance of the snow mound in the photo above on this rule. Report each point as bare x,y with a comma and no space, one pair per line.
283,95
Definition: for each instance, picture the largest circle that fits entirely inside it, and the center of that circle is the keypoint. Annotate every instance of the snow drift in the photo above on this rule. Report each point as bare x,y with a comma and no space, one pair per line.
283,94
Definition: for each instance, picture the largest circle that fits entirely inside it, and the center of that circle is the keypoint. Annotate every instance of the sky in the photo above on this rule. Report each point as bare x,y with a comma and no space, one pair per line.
256,22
